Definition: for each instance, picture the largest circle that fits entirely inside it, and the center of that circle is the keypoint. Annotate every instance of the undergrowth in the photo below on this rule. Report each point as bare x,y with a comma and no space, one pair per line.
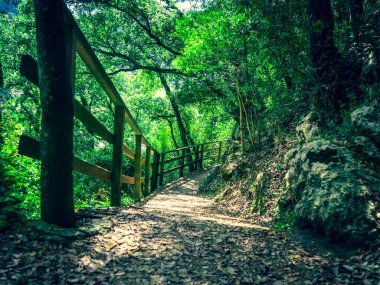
256,188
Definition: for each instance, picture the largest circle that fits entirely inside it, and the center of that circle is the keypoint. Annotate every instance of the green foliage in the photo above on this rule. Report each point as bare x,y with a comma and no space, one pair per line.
19,175
284,220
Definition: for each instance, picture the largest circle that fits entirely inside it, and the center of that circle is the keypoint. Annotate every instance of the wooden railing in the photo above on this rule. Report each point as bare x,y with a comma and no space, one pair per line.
30,147
198,154
153,173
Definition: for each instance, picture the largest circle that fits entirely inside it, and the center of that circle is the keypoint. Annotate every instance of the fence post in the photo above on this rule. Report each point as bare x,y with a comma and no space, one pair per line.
56,62
196,157
202,153
138,167
147,171
155,169
162,169
182,162
117,155
220,151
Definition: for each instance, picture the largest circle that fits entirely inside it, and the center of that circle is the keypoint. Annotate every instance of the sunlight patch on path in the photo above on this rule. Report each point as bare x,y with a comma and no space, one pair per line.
180,199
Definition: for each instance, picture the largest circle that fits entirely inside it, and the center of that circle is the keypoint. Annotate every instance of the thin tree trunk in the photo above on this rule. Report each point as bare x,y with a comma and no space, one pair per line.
56,81
2,105
356,15
172,135
241,124
244,114
177,114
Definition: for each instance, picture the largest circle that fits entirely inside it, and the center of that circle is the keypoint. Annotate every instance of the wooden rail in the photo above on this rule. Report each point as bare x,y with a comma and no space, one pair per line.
198,153
30,147
154,171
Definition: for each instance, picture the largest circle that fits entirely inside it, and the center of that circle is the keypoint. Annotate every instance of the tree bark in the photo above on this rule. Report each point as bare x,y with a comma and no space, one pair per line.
241,124
337,76
177,114
56,59
356,15
2,104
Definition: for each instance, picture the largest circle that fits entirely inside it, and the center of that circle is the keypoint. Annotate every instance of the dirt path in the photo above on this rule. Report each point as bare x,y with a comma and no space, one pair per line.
173,238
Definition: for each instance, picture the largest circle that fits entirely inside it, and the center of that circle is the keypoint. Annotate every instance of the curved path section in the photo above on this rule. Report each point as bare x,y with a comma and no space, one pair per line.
172,238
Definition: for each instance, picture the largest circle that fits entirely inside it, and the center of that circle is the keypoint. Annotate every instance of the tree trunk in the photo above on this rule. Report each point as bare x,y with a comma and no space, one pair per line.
2,105
56,59
356,15
241,124
177,114
172,135
337,76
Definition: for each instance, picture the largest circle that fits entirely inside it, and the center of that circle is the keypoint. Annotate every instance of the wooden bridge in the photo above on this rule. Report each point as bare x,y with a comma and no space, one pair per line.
57,204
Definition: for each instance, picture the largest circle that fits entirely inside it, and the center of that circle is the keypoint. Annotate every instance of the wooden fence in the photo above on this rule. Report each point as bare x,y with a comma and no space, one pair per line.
198,153
151,163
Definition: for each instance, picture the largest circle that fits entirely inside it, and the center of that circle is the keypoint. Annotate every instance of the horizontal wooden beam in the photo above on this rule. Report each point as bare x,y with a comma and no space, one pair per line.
172,159
88,120
181,148
90,169
29,69
96,68
190,154
191,146
211,149
211,157
31,147
127,179
172,169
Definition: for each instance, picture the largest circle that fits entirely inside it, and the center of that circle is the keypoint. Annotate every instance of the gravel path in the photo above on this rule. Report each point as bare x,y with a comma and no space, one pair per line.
172,238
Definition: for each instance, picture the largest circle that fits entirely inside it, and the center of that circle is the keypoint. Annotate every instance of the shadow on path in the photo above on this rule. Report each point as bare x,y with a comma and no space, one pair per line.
171,238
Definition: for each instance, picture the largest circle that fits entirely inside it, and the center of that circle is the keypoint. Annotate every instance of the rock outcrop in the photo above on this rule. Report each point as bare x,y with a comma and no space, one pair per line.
335,185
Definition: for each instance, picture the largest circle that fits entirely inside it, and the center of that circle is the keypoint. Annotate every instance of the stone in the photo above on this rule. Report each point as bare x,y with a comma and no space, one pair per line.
366,150
228,170
308,128
333,192
366,122
259,189
3,222
333,185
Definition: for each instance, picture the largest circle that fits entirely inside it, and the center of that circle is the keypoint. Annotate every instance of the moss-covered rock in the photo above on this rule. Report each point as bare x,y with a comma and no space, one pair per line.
334,191
366,122
228,170
259,189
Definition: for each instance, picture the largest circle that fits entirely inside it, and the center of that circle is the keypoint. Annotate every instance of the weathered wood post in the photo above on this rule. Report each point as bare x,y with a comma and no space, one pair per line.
201,159
162,169
117,155
155,170
147,171
220,151
189,159
196,164
138,167
182,163
56,61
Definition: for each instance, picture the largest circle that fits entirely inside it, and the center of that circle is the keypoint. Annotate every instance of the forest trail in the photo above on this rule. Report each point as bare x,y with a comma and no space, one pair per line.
174,237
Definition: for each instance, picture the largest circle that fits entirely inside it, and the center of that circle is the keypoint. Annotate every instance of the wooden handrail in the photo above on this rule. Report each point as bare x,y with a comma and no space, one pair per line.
93,64
199,153
31,147
29,69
